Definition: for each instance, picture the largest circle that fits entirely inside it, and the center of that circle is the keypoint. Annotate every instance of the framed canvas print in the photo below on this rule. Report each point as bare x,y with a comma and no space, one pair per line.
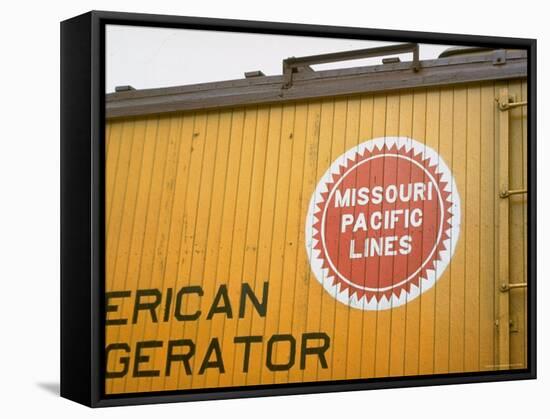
260,208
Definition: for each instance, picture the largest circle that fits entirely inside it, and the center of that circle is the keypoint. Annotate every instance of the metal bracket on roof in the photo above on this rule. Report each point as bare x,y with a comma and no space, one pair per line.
251,74
499,57
125,88
293,65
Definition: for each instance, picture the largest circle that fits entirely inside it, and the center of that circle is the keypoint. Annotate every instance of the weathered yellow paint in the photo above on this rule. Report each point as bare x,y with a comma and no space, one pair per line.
220,197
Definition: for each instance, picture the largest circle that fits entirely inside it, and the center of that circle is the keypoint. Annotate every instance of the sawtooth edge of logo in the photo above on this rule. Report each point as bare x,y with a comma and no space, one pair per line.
445,249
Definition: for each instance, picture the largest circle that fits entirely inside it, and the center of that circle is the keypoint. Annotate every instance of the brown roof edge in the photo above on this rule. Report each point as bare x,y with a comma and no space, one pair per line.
457,69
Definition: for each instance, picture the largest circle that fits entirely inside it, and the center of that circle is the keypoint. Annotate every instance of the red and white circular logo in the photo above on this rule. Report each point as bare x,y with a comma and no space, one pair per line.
383,223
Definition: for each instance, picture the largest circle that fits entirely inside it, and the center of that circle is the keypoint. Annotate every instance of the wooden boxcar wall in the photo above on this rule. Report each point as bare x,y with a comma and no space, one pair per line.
220,197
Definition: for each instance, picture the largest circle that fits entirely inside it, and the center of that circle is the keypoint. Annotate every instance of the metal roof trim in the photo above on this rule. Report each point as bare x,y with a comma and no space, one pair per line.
317,84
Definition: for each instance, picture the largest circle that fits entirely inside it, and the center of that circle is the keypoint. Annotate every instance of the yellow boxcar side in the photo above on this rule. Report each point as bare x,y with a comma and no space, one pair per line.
216,198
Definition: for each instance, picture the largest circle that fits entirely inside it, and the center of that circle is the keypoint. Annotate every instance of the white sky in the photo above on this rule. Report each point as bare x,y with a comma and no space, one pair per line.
146,57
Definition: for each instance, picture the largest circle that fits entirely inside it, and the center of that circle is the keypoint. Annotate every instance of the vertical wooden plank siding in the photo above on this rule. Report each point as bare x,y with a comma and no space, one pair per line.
442,288
487,242
207,201
428,300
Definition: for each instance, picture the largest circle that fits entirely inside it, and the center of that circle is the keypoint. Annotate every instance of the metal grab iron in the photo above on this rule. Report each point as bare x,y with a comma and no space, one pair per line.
292,64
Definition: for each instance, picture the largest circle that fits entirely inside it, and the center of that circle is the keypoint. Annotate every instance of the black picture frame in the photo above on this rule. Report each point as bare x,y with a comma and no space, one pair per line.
83,217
